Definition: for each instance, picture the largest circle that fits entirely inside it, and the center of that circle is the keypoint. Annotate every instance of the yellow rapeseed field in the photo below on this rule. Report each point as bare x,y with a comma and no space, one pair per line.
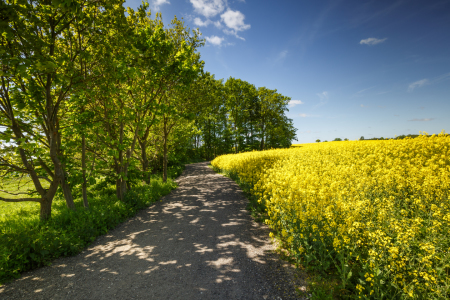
377,213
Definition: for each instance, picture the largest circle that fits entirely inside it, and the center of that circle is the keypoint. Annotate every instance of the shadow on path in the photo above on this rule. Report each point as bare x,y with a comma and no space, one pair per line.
199,243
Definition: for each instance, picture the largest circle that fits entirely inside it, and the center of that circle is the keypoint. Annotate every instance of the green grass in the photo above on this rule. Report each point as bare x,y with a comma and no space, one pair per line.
27,243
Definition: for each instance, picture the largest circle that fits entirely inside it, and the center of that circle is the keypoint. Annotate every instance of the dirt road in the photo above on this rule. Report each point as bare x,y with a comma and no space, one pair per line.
198,243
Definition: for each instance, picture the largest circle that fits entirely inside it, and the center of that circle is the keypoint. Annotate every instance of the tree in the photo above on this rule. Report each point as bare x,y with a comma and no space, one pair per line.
238,94
273,124
361,138
317,141
39,71
337,140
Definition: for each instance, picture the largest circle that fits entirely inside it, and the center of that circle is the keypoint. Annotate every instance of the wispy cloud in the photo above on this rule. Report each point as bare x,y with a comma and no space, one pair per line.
282,55
303,115
293,103
422,120
215,40
372,41
158,3
208,8
362,91
417,84
323,96
323,99
234,20
426,81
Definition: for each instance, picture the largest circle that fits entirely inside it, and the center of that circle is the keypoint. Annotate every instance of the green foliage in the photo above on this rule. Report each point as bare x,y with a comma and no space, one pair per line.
26,242
242,118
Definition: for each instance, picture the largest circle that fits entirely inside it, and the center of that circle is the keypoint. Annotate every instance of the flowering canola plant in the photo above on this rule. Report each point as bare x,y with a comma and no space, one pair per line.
377,213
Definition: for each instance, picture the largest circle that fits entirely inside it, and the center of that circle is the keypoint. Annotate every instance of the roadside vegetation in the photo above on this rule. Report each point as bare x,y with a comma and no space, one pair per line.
27,243
367,219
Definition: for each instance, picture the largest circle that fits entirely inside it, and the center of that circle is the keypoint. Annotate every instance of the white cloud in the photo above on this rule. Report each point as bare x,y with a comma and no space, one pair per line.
235,21
416,84
293,103
158,3
303,115
422,120
208,8
215,40
372,41
199,22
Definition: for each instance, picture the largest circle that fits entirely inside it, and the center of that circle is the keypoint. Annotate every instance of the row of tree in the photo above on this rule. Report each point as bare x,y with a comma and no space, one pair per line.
90,90
241,118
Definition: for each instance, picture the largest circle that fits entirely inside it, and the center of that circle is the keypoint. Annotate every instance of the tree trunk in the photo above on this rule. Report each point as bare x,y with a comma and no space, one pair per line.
165,152
165,160
262,142
145,162
235,140
67,194
45,209
83,166
121,188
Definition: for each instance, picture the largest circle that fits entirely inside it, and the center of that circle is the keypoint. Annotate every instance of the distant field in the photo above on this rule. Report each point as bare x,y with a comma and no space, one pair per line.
375,215
333,142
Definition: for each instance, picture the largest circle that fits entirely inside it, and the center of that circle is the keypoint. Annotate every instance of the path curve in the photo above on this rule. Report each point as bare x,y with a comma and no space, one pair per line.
198,243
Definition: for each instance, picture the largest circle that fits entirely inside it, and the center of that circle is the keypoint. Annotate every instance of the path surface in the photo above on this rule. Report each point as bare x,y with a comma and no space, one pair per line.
198,243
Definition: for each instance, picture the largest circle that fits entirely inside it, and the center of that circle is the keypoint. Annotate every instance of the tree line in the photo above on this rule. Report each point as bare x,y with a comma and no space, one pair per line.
91,90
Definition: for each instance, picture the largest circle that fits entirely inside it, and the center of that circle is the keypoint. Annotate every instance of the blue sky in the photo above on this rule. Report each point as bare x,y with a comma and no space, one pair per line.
352,68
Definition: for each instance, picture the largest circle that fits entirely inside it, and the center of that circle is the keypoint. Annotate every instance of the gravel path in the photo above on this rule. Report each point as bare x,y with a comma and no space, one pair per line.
198,243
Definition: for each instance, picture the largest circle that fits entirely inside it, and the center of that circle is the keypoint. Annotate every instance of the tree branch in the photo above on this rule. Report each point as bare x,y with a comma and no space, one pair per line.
21,199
